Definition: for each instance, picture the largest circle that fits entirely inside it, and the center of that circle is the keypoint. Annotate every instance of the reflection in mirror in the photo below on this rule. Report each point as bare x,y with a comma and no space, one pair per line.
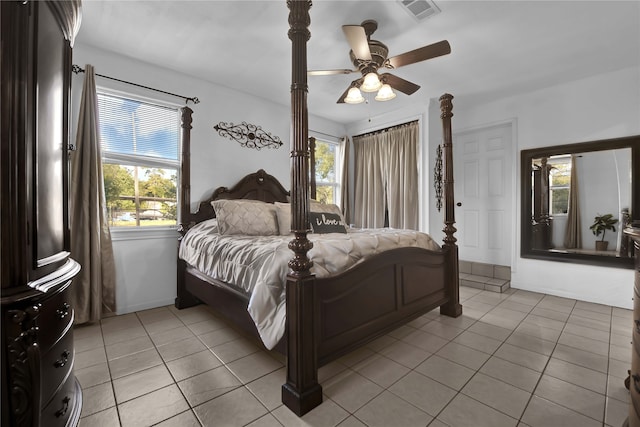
567,189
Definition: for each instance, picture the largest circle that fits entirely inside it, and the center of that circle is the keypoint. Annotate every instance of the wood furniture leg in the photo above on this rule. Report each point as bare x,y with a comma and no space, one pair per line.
184,299
301,393
452,307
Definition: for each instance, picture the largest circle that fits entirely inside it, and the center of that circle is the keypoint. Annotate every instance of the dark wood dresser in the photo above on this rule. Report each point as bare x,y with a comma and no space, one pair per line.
38,384
634,386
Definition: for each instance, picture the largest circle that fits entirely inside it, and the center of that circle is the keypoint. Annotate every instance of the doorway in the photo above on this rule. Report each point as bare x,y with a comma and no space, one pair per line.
483,186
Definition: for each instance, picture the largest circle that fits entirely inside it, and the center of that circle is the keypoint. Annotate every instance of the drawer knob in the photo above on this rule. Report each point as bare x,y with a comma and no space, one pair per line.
65,407
64,311
637,322
64,358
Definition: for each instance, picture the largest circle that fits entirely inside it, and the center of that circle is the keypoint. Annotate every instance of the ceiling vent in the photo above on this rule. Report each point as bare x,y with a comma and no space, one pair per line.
420,9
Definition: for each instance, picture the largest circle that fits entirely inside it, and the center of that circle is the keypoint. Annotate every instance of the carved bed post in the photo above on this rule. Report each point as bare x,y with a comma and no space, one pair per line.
301,392
183,298
185,165
452,307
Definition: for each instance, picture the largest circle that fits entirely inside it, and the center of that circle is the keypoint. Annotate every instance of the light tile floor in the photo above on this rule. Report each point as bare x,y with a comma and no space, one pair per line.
513,359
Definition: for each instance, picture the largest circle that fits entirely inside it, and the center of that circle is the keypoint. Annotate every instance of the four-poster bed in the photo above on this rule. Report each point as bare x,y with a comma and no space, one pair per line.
389,289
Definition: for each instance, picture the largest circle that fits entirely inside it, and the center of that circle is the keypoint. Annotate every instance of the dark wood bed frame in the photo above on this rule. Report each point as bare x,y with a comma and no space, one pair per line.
389,289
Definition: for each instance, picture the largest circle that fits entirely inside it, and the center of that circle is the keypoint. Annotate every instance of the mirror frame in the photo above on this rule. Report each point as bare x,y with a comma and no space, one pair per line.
526,247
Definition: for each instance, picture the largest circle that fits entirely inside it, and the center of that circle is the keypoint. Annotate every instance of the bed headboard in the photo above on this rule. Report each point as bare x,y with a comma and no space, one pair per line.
255,186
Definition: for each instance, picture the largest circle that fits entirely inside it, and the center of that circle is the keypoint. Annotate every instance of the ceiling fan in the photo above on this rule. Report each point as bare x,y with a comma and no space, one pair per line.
369,56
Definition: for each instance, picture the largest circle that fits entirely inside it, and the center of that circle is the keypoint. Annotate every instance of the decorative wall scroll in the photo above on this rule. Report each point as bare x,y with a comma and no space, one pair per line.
248,135
437,177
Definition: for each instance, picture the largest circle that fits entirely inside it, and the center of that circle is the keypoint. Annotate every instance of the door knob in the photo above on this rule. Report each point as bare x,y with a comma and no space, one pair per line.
459,204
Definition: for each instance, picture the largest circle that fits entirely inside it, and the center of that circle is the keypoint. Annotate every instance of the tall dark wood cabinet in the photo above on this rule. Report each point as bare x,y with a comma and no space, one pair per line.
38,384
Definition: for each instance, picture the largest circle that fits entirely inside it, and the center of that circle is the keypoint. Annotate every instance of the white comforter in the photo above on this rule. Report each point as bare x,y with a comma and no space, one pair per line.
258,264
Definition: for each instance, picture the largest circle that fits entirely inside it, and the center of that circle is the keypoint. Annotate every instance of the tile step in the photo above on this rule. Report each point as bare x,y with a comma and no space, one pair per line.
482,282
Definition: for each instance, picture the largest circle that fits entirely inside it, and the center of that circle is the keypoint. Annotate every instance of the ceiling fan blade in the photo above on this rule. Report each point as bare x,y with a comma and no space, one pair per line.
355,83
398,83
358,42
329,72
420,54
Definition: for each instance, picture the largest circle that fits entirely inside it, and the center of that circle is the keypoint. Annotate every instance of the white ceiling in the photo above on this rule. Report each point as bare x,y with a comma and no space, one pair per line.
498,47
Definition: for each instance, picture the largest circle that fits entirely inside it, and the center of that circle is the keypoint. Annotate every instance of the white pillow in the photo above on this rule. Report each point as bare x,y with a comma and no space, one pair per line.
248,217
283,211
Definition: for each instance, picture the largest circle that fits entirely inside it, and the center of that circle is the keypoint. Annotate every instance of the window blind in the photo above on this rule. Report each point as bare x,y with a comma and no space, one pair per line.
138,128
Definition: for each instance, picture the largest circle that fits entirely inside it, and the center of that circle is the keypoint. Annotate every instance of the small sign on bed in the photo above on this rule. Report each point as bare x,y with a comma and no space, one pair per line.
324,222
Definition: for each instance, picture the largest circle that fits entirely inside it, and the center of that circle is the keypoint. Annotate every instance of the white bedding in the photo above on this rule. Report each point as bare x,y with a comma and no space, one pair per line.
258,264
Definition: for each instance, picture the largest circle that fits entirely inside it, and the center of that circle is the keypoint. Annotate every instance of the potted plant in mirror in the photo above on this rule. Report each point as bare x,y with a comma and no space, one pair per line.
600,225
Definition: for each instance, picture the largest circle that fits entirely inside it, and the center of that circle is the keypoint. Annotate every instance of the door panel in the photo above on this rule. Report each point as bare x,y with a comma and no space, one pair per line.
483,185
471,233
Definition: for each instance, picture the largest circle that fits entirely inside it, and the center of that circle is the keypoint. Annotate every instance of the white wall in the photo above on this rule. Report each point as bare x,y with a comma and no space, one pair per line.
599,107
146,263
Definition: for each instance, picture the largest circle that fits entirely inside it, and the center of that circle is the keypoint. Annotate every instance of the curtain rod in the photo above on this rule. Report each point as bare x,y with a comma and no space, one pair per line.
76,69
325,134
376,132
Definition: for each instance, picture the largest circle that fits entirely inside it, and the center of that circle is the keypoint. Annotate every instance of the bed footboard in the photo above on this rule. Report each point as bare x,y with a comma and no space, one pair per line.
376,297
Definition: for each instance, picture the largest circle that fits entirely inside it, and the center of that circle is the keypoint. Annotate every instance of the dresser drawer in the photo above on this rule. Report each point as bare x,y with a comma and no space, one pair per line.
56,365
56,315
64,407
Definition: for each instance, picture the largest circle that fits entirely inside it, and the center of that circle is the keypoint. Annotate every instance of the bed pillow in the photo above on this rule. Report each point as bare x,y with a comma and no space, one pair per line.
248,217
327,207
326,222
284,214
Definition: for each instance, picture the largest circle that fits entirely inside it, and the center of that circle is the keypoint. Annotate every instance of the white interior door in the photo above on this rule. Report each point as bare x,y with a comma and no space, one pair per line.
483,192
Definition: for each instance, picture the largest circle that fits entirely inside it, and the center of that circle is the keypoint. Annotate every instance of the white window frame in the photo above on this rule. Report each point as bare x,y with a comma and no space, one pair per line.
337,184
552,161
135,232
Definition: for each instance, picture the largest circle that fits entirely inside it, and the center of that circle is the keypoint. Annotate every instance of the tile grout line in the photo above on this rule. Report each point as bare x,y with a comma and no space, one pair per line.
492,355
379,354
555,345
113,388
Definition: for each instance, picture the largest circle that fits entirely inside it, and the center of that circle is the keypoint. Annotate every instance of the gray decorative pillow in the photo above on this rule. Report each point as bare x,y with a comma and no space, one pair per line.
284,214
248,217
325,222
317,206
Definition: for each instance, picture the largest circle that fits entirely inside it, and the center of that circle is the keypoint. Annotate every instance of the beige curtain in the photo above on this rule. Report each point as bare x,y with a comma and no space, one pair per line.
386,175
94,288
572,235
369,182
402,176
345,190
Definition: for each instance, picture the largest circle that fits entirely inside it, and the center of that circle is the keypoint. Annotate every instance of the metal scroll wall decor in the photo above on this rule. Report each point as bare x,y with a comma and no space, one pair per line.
248,135
437,177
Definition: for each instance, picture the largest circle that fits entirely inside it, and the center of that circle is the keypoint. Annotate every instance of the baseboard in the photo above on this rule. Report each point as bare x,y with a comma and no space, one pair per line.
145,306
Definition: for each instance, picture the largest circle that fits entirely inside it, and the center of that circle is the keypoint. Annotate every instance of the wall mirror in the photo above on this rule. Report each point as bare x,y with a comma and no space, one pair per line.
565,187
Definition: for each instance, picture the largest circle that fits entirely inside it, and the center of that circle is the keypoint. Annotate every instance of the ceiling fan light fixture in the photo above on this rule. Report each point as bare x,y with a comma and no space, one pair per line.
354,96
371,83
385,93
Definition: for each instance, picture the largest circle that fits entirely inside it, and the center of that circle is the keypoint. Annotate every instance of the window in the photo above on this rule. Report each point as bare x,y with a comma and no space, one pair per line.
559,184
140,160
327,182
